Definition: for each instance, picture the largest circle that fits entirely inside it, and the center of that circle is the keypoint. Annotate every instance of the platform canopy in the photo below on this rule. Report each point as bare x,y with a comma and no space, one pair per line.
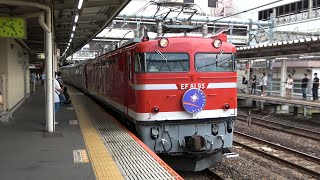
93,17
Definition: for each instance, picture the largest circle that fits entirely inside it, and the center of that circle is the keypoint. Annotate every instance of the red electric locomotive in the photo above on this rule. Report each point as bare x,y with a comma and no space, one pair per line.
180,92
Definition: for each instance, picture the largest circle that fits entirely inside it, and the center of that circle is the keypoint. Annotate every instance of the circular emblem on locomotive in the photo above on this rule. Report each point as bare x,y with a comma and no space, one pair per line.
194,100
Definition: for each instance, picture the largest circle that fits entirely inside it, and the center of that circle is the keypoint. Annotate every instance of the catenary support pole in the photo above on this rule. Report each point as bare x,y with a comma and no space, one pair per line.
310,8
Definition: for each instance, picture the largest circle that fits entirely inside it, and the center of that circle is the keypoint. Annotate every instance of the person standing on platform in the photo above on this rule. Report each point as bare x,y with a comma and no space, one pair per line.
304,85
43,76
38,78
289,87
33,80
263,83
60,81
253,84
315,87
57,91
244,84
59,78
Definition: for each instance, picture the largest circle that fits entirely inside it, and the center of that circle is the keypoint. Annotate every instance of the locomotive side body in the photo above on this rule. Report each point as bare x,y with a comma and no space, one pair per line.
181,97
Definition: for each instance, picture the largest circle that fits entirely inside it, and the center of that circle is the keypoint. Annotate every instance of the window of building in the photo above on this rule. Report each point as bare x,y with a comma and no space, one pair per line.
212,3
265,14
305,4
281,10
188,1
287,9
260,15
293,7
299,6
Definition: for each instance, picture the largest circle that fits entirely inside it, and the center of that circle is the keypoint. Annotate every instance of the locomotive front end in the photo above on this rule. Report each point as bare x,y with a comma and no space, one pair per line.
186,91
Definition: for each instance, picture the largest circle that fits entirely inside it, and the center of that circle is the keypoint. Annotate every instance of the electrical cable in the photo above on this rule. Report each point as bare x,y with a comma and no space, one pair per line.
143,8
154,146
164,149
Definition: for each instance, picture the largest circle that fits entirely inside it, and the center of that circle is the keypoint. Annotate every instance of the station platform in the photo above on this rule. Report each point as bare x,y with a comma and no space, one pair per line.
280,100
88,144
27,153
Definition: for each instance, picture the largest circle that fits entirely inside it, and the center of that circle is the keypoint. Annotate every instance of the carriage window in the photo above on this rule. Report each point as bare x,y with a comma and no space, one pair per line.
162,62
218,62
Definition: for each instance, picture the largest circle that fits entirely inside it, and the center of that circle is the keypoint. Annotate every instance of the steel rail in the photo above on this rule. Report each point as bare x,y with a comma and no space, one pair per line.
314,135
213,175
282,148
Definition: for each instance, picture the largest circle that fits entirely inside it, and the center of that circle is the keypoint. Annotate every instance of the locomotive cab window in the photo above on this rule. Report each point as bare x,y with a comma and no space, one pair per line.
162,62
214,62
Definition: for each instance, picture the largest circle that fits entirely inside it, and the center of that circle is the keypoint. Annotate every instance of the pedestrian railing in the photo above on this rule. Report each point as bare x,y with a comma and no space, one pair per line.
277,88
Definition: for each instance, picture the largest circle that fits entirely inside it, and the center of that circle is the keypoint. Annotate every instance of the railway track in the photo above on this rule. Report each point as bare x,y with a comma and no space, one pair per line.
202,175
314,135
289,157
212,175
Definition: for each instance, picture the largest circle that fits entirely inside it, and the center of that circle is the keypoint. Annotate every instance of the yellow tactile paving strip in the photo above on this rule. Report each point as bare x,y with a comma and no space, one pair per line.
103,165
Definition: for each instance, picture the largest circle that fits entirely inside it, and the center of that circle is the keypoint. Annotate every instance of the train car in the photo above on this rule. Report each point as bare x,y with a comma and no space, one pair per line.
179,92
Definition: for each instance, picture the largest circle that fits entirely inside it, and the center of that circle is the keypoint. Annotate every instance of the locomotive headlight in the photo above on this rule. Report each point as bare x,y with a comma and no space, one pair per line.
217,43
163,42
155,109
226,106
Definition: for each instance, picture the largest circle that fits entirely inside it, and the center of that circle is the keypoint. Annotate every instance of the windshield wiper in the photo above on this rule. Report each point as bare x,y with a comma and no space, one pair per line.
215,61
161,55
218,57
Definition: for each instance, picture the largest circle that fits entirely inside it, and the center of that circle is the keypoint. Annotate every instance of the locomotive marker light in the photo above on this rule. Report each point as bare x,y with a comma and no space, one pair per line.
217,43
163,42
226,106
156,109
194,100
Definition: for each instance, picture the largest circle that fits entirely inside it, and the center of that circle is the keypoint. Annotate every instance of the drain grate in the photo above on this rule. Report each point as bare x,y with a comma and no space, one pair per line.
80,156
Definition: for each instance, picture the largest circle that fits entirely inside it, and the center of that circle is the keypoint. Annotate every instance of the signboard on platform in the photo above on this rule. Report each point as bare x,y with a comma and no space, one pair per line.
259,64
41,55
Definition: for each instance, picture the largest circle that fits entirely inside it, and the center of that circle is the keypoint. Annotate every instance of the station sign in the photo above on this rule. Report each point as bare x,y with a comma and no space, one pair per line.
259,64
41,55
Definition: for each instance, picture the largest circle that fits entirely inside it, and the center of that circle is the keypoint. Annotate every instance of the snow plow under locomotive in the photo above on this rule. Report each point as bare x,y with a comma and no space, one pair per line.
180,92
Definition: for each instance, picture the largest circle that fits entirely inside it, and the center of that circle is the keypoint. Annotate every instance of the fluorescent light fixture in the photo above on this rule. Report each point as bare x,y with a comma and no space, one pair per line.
70,40
306,57
259,60
74,28
279,58
72,34
76,18
80,4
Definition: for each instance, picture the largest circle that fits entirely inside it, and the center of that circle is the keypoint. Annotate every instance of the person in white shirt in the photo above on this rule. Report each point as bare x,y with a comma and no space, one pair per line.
42,77
33,79
57,91
263,84
289,86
